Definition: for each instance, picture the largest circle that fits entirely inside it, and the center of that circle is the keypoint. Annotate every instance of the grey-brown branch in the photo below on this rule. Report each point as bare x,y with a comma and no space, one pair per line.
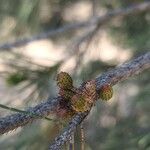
111,77
14,121
99,20
114,76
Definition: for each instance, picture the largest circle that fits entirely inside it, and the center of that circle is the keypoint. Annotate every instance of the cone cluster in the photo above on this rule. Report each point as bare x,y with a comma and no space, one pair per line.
80,100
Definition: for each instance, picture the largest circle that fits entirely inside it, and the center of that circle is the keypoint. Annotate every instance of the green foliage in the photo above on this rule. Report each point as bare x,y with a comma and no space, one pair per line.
16,78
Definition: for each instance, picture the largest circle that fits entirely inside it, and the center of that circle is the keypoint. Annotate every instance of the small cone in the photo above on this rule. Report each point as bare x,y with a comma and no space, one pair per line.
79,104
89,92
64,80
106,92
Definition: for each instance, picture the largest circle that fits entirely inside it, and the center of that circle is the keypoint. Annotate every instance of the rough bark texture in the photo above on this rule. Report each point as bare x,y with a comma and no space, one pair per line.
14,121
99,20
112,77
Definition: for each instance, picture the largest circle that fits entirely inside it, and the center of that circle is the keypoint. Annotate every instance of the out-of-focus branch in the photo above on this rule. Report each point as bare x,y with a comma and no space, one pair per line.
87,38
92,21
111,77
44,35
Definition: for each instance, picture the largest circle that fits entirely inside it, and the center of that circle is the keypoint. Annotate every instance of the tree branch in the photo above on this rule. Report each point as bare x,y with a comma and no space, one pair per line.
111,77
92,21
14,121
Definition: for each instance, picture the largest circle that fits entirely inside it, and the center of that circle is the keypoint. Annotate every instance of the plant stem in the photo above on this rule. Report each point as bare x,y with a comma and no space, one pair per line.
82,137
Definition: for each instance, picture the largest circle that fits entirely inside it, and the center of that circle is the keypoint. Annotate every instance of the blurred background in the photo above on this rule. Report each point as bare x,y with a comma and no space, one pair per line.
28,71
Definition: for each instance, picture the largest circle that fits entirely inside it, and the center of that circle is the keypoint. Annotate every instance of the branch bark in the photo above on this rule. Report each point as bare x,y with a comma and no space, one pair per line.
91,22
111,77
14,121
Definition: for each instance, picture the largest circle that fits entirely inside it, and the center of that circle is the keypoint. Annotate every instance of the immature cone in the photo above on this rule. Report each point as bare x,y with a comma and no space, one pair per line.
89,91
79,104
66,94
64,80
106,92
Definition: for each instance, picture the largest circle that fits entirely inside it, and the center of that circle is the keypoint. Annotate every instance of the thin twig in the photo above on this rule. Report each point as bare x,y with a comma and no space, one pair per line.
111,77
71,142
74,26
60,140
87,37
82,137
